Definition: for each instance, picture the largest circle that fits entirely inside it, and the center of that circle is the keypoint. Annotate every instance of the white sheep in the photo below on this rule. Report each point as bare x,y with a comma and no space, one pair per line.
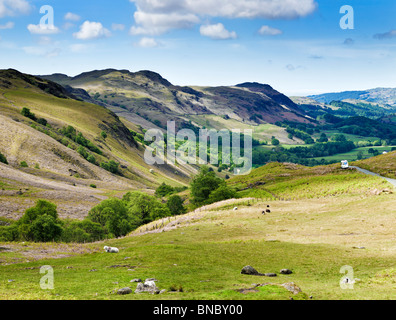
110,249
235,208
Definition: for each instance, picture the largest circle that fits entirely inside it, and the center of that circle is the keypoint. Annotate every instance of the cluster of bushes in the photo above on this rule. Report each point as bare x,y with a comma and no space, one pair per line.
39,223
28,114
111,218
299,134
207,188
71,133
164,190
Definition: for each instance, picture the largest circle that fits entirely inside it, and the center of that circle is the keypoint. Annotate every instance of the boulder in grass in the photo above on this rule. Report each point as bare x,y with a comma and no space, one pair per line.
285,271
290,286
250,271
147,286
124,291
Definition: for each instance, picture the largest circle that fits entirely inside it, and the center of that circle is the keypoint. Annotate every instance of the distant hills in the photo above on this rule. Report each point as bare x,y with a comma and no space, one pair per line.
385,96
146,98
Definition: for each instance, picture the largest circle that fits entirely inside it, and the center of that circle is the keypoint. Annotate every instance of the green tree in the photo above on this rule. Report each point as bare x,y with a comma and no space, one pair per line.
223,192
45,228
323,138
275,142
163,190
203,184
144,208
26,113
175,205
110,166
40,223
112,214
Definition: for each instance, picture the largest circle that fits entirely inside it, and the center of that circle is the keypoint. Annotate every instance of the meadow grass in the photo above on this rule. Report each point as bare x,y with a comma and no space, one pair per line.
314,238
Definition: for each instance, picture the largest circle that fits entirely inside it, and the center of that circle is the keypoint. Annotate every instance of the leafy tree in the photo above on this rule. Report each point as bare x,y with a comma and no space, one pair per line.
163,190
40,223
110,166
26,113
144,208
81,150
42,121
223,192
275,142
45,228
323,138
203,184
112,214
339,137
175,205
91,159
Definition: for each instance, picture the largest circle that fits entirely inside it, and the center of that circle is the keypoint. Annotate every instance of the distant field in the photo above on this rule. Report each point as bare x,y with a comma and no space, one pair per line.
352,155
351,137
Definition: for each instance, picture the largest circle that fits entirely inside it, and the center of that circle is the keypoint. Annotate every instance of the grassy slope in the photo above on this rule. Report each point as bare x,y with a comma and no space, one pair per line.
19,142
205,251
384,164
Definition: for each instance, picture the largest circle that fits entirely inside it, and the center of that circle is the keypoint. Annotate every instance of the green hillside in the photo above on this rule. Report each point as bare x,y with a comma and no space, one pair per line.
62,166
200,255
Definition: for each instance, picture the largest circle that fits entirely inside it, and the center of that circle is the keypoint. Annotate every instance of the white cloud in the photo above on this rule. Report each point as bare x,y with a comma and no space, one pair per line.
72,17
42,29
92,30
117,27
269,31
156,17
217,32
13,7
8,25
147,43
159,23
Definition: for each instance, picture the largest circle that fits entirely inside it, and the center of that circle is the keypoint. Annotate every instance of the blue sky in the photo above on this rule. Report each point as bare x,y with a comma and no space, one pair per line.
296,46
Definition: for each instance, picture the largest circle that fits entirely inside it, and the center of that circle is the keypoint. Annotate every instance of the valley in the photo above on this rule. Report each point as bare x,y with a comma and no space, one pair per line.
73,178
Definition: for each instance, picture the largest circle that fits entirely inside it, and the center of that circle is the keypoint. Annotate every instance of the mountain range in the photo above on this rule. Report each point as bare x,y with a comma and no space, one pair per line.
384,96
146,98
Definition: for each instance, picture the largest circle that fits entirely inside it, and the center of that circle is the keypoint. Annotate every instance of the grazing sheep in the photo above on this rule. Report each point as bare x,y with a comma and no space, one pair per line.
235,208
263,212
110,249
268,210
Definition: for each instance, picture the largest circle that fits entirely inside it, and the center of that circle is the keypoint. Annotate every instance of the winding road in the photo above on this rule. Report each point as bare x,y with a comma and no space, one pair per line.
390,180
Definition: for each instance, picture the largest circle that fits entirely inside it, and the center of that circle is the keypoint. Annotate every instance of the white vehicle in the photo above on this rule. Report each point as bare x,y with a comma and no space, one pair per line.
344,164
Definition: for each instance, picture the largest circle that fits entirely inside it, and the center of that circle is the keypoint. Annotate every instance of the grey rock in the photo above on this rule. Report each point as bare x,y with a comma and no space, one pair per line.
136,280
290,286
270,274
285,271
123,291
249,270
147,286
